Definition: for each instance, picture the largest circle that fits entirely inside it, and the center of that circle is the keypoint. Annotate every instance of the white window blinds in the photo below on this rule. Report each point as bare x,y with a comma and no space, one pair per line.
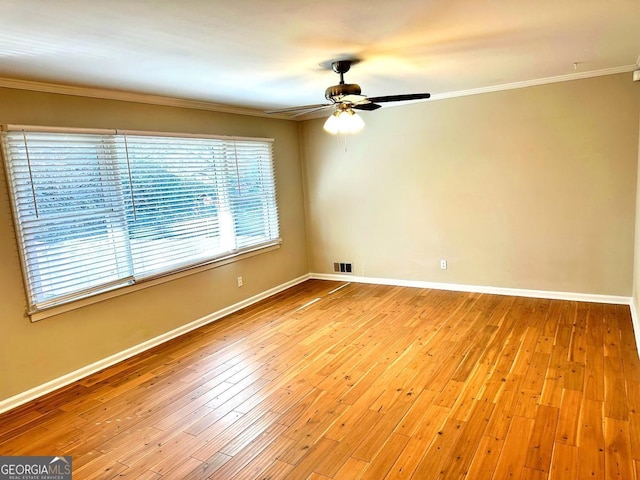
96,211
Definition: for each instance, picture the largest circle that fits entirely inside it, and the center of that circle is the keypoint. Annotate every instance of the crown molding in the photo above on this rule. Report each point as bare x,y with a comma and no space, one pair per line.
535,82
508,86
125,96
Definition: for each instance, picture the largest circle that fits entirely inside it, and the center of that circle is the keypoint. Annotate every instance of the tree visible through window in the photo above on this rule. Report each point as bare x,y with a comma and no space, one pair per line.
96,211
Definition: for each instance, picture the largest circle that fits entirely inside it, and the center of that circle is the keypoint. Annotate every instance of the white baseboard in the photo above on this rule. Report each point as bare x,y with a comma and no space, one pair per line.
516,292
636,324
83,372
50,386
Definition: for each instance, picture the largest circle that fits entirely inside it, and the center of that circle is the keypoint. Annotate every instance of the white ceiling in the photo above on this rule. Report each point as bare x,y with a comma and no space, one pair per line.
266,54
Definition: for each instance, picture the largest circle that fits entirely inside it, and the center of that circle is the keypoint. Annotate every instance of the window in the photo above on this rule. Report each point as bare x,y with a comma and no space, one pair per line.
97,210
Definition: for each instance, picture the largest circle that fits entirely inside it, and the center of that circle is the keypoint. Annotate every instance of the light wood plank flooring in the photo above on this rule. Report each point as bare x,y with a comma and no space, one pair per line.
331,380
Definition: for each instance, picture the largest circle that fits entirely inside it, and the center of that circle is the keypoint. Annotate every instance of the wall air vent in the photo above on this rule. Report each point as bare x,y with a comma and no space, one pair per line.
341,267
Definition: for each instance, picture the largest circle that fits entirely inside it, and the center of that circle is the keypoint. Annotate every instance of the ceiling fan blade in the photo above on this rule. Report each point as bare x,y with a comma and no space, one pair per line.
312,110
366,106
299,109
400,98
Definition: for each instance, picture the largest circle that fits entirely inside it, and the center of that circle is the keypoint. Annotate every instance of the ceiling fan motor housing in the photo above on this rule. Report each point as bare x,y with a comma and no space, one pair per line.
337,91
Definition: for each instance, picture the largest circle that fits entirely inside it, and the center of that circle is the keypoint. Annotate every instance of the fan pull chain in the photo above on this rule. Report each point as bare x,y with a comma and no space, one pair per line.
343,136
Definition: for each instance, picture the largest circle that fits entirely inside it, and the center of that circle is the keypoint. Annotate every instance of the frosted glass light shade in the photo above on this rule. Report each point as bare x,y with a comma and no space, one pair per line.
344,122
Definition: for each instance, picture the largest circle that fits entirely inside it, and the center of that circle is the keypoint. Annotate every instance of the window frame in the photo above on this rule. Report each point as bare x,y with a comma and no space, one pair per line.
144,281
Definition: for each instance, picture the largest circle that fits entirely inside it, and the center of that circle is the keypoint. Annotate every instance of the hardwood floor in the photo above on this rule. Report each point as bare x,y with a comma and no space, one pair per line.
328,380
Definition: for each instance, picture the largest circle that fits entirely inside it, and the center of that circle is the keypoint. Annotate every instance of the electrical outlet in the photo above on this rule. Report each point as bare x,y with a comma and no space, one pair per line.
443,264
240,282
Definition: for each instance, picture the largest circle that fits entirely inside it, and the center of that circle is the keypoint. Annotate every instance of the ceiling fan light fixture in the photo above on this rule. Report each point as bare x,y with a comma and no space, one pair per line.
344,98
344,121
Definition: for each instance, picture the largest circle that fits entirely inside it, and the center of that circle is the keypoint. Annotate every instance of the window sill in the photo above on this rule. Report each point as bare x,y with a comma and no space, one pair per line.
57,310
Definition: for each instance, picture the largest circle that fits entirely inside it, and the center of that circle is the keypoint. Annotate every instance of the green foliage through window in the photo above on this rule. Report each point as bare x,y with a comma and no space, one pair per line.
96,211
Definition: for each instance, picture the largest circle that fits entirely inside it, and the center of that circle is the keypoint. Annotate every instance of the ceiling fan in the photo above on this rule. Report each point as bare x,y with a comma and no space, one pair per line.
344,98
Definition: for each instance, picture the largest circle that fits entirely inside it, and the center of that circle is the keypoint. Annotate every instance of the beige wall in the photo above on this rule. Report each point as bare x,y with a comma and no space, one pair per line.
532,188
34,353
635,307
